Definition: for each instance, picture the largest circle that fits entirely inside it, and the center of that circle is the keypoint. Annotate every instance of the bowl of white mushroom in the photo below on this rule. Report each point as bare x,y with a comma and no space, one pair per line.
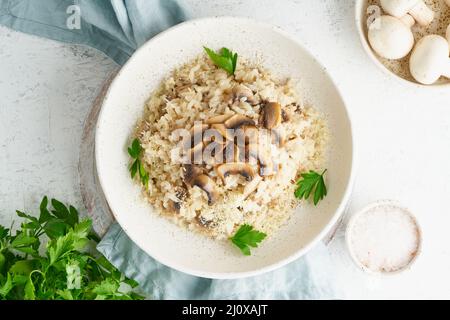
409,39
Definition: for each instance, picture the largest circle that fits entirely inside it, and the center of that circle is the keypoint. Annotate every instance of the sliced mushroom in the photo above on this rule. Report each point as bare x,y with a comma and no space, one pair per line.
270,115
242,92
279,137
247,134
206,184
190,172
251,186
238,121
212,153
196,154
219,119
243,169
262,156
174,206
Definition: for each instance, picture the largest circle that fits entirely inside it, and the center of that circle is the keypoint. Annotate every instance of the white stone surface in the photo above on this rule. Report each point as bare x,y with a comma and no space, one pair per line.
403,134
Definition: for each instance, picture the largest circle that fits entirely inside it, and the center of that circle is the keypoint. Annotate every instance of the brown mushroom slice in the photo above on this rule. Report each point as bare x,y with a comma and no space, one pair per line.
251,186
190,172
241,91
219,119
174,206
247,134
278,137
196,154
238,121
205,183
270,115
243,169
262,155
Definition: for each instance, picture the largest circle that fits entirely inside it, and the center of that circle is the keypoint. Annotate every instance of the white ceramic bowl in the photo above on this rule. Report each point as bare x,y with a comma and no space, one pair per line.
361,26
123,106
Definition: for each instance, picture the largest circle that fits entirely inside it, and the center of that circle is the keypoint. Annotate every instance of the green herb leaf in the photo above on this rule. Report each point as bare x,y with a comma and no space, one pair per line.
106,287
22,267
22,240
311,181
135,152
247,237
3,232
134,168
29,290
44,213
65,294
60,210
55,228
226,59
7,286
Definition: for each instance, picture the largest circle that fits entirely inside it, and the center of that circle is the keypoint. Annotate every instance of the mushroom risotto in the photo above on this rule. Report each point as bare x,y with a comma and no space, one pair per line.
222,150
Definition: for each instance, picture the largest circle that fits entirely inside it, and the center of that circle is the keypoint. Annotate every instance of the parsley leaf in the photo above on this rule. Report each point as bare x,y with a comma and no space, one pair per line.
311,181
247,237
135,152
225,59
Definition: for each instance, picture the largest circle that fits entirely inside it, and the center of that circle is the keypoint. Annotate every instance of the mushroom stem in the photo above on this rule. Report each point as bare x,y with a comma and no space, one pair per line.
422,14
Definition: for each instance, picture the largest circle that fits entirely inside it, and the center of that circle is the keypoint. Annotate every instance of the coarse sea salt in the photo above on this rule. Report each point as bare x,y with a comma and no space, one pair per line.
384,238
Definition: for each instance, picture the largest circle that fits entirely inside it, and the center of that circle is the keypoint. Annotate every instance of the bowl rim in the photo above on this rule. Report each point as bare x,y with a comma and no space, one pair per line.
359,5
337,213
365,209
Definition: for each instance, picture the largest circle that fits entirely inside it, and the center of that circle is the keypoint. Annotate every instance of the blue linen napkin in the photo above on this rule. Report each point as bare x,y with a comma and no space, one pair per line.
118,27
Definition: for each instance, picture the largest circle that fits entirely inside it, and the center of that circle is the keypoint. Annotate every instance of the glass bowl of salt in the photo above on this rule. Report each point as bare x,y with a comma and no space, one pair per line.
384,238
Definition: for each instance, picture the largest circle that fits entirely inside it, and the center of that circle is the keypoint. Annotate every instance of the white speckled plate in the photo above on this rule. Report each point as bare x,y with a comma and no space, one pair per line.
123,105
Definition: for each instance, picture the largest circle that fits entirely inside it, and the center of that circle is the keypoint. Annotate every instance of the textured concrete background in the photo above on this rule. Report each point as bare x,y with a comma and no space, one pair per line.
403,134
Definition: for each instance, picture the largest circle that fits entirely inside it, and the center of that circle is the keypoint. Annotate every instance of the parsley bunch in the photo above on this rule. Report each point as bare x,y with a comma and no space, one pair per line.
65,270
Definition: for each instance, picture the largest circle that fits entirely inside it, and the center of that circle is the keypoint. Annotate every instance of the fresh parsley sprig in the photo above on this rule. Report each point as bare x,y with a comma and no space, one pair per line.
135,152
67,269
225,59
311,181
247,237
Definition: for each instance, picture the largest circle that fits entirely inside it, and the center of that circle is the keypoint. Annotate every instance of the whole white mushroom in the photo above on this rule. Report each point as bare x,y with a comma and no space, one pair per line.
390,37
416,8
430,59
